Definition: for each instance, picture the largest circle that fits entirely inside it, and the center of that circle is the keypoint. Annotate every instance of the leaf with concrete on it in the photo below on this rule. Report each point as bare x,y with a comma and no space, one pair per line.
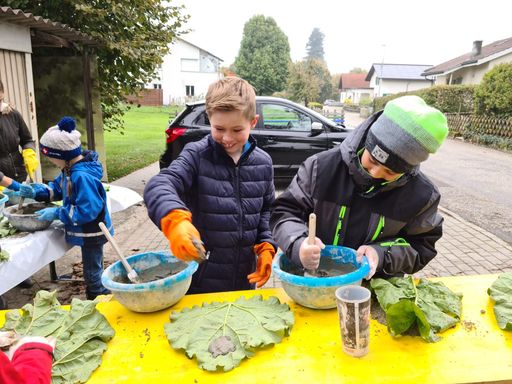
81,333
249,324
501,292
6,229
430,305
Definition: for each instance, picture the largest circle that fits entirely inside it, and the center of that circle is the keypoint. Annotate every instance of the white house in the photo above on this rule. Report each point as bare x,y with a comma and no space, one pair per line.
354,87
387,79
186,71
470,67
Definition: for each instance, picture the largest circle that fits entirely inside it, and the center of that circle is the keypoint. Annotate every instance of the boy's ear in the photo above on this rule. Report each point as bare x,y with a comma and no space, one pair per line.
254,121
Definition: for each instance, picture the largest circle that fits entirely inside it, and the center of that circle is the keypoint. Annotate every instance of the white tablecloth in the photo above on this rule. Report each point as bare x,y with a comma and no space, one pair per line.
30,253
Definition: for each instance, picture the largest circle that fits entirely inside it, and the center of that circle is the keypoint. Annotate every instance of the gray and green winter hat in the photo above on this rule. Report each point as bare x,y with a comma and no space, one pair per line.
406,133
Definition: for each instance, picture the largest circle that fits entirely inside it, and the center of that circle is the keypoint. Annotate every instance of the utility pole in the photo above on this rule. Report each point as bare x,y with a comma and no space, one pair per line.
380,81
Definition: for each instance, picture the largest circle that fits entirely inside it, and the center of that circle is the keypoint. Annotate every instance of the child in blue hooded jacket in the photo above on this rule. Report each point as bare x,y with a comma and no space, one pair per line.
83,196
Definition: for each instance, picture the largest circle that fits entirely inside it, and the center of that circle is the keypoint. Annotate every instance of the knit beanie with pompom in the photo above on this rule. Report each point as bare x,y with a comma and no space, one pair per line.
62,141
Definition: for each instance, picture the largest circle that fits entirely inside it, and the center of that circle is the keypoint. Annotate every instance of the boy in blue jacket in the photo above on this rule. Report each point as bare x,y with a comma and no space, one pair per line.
219,190
84,198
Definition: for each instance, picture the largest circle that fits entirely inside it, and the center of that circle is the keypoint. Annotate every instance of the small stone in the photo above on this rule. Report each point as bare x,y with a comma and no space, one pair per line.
482,311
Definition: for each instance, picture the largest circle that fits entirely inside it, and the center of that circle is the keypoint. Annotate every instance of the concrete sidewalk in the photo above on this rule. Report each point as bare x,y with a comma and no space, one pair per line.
464,249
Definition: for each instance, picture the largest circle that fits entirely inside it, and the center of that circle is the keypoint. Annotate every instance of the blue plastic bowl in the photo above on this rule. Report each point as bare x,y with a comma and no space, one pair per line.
3,200
153,296
315,292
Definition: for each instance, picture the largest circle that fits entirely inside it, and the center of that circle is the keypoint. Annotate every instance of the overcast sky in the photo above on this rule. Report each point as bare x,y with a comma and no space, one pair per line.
430,32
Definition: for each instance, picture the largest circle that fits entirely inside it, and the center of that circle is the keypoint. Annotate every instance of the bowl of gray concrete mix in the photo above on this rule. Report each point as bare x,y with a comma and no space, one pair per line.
25,219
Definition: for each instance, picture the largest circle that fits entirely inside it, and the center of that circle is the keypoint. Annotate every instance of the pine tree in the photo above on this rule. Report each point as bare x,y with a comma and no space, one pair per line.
315,45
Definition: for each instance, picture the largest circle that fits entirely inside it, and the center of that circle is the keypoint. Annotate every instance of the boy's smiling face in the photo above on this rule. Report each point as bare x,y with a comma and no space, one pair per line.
231,130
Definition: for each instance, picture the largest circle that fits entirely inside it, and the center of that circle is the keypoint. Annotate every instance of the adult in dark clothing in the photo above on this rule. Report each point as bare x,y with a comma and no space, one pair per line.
369,194
219,190
13,163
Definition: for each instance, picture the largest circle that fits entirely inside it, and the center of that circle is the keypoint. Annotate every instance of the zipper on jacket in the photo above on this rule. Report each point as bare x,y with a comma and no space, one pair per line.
239,208
13,165
382,222
340,223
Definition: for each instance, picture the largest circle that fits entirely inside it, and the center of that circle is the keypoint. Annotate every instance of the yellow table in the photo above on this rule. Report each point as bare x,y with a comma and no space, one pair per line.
475,351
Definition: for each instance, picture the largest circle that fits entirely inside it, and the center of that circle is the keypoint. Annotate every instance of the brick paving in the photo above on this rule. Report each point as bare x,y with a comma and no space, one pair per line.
464,249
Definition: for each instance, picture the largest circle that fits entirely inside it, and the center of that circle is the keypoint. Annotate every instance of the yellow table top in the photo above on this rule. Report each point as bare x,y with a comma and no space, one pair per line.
475,351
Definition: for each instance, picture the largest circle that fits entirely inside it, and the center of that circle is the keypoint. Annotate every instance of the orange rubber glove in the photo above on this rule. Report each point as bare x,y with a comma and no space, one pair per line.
266,253
177,227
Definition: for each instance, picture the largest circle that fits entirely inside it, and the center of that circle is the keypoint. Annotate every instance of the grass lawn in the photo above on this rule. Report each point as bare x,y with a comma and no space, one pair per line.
141,144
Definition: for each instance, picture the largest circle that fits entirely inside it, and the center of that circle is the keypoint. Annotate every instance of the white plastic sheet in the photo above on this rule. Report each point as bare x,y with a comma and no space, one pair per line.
30,253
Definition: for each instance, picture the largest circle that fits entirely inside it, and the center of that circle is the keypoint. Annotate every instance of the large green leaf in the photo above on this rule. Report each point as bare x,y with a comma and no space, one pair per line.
81,333
6,229
501,292
431,305
248,324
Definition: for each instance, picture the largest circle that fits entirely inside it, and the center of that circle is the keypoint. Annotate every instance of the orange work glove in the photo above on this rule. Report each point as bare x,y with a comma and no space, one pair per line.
177,227
266,253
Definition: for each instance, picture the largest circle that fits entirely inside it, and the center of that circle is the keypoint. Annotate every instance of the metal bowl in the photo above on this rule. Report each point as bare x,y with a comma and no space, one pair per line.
27,223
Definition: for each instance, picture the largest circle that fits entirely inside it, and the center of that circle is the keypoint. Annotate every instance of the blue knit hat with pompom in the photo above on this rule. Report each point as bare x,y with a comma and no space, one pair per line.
62,141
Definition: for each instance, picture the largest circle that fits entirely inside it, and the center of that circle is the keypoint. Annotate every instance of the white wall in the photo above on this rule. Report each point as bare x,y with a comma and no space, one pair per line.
355,94
15,38
174,80
473,74
391,86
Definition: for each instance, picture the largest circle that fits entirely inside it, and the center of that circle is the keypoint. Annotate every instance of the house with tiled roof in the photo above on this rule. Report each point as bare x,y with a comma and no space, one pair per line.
470,67
354,86
388,79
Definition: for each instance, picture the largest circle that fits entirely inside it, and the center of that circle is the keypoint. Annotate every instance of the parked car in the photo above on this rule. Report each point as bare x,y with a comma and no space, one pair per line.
329,102
287,131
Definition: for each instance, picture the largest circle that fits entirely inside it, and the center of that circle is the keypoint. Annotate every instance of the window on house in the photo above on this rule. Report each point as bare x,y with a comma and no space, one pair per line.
157,86
189,89
377,81
189,65
363,95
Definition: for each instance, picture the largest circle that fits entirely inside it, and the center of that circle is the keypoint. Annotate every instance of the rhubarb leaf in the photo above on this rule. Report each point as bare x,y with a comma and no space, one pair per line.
230,331
81,333
501,292
430,305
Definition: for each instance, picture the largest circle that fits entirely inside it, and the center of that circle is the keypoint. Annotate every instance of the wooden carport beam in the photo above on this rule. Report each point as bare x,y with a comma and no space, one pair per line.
55,41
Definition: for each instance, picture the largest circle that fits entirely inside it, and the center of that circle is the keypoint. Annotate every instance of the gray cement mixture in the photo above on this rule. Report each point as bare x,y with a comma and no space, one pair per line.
155,273
221,346
326,268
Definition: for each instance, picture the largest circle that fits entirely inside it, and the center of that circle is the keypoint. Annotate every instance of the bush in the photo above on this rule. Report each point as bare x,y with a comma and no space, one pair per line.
446,98
493,96
348,101
315,105
365,101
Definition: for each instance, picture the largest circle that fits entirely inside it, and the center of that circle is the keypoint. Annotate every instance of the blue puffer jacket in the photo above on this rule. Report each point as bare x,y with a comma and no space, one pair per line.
86,207
230,208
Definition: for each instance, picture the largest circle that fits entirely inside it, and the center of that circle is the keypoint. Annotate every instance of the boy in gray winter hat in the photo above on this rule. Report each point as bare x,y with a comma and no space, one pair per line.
369,194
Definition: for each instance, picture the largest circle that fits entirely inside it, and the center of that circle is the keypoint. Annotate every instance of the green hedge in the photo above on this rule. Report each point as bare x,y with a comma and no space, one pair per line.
493,96
446,98
312,105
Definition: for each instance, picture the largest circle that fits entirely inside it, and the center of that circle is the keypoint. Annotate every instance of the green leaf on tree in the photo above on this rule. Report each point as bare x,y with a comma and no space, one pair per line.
501,292
222,334
81,333
430,305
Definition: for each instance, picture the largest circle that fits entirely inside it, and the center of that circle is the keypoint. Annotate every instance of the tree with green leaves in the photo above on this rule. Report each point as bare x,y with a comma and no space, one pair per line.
135,37
493,96
358,70
315,45
264,55
303,83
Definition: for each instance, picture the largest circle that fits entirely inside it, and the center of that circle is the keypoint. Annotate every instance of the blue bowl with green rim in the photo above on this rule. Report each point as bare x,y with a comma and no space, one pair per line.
316,292
155,295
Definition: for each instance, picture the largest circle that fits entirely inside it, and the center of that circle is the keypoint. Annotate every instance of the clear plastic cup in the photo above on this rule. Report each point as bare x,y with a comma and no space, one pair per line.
353,304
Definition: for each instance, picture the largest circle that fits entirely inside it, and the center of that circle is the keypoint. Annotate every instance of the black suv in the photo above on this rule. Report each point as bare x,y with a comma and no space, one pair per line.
287,131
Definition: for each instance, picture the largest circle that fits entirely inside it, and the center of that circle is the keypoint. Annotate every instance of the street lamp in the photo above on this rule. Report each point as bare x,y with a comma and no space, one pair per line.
380,82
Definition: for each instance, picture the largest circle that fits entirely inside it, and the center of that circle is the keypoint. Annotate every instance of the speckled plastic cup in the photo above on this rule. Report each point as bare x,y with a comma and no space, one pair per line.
353,304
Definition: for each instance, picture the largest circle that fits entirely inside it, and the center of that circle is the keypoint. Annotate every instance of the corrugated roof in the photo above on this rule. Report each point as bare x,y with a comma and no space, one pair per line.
465,59
398,71
18,17
353,80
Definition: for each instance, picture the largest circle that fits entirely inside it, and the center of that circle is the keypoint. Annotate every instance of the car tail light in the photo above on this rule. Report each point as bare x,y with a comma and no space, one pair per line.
173,133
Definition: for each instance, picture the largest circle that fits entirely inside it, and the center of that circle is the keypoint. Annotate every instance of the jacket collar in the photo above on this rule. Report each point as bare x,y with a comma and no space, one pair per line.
222,152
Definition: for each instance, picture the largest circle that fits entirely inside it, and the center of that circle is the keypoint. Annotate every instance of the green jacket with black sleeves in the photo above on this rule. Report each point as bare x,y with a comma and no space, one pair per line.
399,219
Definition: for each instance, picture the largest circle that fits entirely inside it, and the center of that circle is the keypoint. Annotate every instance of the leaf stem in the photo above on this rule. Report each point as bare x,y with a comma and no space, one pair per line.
415,290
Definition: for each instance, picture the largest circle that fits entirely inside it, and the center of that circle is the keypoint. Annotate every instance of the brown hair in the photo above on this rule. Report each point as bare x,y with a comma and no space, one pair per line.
1,87
67,171
231,94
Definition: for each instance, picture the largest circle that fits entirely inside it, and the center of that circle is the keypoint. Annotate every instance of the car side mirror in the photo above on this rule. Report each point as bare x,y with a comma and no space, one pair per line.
317,127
